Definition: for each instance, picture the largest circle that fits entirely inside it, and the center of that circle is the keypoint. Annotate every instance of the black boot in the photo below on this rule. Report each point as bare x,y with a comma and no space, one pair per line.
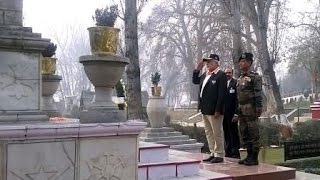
254,159
249,154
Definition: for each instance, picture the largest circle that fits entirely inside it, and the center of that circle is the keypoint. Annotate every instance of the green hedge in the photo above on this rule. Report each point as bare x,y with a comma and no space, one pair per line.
309,130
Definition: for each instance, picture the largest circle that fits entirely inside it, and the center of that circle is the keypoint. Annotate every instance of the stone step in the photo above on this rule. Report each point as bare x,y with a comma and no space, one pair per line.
21,34
173,142
170,138
162,134
158,130
16,28
147,152
204,175
194,148
174,167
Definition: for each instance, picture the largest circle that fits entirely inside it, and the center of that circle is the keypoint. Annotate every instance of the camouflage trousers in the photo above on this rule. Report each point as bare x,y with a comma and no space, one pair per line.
249,130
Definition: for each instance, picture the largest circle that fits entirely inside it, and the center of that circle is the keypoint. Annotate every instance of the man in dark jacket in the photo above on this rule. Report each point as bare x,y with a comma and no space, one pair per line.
230,126
213,85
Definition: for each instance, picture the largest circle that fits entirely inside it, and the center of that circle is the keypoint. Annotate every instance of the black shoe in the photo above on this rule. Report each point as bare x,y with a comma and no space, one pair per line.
217,160
208,159
251,162
242,160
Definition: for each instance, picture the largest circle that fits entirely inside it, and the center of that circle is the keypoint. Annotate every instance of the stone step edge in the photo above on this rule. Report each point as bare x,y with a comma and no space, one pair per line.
187,141
204,175
163,129
170,162
152,134
153,146
187,146
150,138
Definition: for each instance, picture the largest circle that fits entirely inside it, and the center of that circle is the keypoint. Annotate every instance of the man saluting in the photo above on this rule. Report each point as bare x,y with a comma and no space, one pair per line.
213,85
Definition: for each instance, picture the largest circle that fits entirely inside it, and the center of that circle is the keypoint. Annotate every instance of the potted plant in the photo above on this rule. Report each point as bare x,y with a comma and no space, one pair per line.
48,66
104,37
155,79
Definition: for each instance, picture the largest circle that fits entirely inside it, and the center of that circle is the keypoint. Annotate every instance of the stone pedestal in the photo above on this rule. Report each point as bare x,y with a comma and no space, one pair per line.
70,151
104,71
50,84
20,66
157,111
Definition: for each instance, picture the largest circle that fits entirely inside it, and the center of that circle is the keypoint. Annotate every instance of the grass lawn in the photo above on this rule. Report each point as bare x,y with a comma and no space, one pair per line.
269,155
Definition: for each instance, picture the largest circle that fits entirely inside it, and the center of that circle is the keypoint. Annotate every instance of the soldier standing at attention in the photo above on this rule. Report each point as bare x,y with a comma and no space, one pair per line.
249,90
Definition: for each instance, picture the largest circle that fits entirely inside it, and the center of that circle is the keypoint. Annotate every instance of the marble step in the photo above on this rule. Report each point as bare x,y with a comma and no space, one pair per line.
174,167
195,147
204,175
170,138
177,142
161,134
158,130
150,152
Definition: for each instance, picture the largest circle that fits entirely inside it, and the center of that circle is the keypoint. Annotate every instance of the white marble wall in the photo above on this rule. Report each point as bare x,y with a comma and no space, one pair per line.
19,81
90,158
108,158
41,160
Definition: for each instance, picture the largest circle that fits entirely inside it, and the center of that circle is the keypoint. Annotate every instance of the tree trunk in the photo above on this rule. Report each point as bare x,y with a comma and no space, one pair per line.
236,35
275,104
248,34
133,69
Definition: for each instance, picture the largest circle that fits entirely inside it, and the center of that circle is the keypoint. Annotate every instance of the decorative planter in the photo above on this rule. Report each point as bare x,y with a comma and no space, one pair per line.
50,84
48,65
157,111
104,71
156,91
103,39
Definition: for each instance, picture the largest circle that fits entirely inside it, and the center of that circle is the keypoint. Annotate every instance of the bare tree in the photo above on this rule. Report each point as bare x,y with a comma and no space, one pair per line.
133,69
194,28
72,44
257,12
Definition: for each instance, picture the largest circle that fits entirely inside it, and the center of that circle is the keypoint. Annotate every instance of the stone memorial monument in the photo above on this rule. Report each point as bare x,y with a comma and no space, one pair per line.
31,147
20,77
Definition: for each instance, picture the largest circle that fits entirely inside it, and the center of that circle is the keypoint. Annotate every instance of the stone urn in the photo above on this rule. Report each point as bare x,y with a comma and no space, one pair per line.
157,111
104,71
50,84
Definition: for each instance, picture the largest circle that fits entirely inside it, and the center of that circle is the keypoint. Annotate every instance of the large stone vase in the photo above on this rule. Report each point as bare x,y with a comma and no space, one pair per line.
157,111
104,71
50,84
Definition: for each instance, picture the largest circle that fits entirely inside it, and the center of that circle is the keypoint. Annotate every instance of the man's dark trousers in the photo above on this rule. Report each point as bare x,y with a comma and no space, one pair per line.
231,132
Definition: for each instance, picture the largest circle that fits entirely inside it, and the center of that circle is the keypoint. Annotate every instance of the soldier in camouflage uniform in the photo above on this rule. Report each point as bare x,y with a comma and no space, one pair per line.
249,88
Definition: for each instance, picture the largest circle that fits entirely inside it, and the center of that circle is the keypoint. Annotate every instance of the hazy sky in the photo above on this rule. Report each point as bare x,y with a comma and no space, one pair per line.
53,16
45,16
48,15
